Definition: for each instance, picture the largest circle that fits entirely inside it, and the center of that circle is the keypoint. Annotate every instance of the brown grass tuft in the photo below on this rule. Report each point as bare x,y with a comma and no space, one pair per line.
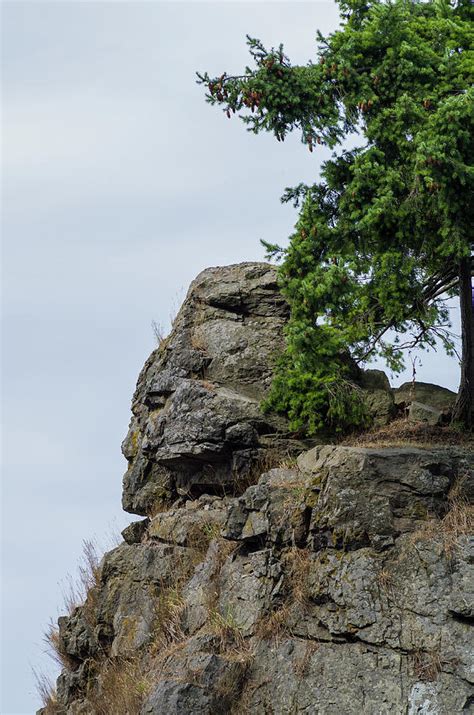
274,626
47,693
426,664
296,563
228,632
456,523
122,686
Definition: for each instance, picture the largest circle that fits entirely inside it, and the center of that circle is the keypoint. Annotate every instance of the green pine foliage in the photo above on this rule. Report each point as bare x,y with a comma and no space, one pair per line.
380,235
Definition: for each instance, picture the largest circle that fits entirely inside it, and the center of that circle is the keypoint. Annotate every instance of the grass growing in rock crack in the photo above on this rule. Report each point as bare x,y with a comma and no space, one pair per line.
426,665
269,459
457,522
123,684
296,563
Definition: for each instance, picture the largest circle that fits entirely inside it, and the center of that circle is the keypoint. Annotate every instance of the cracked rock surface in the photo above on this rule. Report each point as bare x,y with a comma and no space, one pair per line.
333,586
338,582
197,423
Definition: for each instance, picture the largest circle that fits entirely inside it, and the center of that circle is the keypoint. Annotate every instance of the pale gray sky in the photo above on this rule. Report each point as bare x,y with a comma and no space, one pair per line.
119,185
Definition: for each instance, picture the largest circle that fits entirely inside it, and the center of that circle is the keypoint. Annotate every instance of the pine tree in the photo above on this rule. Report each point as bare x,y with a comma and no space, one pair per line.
385,234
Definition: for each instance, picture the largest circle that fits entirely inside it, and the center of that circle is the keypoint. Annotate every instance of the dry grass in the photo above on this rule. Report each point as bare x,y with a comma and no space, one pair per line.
225,627
47,693
301,665
87,578
426,665
296,563
122,686
402,433
456,523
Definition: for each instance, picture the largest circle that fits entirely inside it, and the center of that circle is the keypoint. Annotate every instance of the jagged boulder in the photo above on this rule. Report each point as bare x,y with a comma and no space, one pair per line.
197,425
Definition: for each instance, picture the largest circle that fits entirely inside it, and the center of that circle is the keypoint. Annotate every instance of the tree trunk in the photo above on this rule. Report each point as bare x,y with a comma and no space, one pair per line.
463,409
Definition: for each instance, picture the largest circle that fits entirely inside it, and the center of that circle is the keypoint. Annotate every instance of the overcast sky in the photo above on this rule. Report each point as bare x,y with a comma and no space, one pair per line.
119,185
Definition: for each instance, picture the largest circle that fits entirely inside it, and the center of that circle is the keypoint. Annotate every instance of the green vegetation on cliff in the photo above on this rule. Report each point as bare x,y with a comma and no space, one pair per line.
386,233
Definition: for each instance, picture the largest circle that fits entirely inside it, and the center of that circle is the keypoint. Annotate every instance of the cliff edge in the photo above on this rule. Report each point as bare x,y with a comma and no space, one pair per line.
270,575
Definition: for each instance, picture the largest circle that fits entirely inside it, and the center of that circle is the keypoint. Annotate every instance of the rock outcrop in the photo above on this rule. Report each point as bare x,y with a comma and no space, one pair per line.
342,584
339,582
424,402
197,423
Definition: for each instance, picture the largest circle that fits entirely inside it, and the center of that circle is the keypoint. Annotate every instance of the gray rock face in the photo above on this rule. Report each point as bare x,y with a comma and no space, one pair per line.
370,496
197,424
425,402
378,396
337,583
340,585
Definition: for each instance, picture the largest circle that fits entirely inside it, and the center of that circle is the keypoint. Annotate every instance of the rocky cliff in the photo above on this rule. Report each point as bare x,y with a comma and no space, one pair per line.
270,575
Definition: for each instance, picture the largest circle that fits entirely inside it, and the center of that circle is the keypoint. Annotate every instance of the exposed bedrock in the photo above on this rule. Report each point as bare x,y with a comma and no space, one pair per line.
197,423
340,585
271,576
